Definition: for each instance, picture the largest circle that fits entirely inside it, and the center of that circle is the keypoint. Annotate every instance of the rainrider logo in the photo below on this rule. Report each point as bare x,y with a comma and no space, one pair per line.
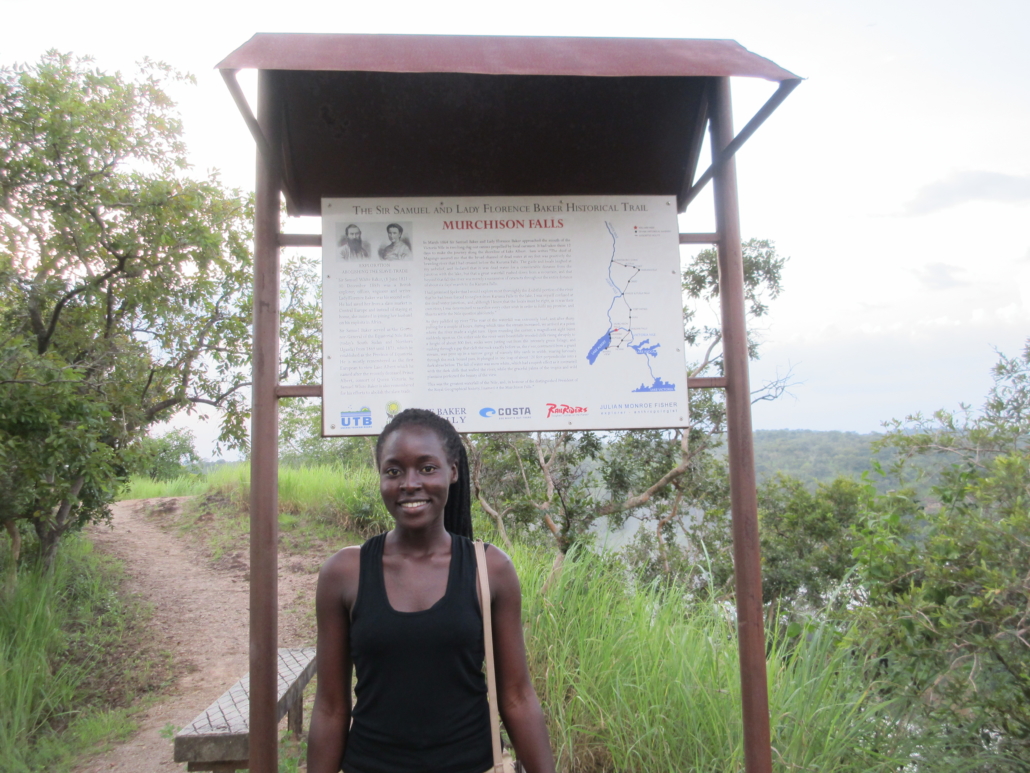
554,409
506,413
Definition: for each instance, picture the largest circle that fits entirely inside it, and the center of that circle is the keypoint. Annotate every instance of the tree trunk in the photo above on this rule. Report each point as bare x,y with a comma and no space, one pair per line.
51,531
12,570
47,536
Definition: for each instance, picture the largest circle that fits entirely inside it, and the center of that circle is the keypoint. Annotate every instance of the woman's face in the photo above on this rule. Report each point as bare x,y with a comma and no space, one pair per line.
414,475
393,233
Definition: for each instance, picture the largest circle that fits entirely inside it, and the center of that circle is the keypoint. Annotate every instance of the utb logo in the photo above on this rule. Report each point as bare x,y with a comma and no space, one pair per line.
362,418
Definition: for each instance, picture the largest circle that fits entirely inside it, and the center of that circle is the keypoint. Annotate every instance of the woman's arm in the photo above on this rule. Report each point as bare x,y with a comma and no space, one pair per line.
330,717
517,701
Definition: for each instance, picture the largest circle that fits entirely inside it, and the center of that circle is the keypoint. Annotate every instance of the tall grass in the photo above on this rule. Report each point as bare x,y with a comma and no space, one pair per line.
344,496
57,634
142,487
639,679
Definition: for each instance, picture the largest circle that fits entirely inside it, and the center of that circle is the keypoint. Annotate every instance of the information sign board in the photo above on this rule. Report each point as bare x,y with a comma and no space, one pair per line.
503,314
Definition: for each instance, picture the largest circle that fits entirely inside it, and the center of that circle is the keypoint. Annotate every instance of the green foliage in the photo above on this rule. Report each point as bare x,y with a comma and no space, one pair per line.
124,286
807,540
948,599
947,584
71,661
542,479
169,456
57,469
807,537
815,457
762,271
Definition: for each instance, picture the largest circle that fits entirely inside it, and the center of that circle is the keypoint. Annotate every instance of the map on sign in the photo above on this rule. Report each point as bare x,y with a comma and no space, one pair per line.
503,314
620,335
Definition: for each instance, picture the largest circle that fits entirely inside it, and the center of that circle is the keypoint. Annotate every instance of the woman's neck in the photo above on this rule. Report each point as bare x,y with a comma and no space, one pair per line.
419,541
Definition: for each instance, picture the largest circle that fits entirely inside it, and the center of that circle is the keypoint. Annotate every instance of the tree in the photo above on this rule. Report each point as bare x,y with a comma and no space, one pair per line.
808,537
124,285
169,456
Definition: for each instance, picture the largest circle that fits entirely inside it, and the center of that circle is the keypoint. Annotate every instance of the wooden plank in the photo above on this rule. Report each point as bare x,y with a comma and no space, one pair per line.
221,732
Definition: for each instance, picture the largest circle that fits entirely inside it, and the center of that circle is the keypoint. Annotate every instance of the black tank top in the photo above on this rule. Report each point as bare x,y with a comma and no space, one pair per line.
421,693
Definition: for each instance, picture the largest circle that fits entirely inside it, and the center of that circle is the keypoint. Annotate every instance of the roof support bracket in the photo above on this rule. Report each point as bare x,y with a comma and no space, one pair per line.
728,152
229,76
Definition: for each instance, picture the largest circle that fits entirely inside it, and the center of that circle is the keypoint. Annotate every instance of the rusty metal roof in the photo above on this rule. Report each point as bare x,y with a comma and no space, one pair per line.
483,55
445,115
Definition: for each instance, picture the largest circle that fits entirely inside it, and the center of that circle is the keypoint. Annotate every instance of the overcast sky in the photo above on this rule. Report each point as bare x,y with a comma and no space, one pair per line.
896,178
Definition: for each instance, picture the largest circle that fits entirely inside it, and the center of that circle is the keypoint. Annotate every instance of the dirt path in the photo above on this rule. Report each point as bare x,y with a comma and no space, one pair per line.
200,616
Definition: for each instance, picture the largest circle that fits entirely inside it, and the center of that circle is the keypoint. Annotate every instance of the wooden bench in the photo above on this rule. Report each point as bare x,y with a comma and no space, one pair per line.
219,738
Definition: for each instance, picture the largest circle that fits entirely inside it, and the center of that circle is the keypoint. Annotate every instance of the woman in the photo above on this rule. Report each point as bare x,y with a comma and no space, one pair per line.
397,248
403,609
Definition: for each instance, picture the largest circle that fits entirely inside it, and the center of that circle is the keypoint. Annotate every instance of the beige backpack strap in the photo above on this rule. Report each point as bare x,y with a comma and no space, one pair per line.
488,642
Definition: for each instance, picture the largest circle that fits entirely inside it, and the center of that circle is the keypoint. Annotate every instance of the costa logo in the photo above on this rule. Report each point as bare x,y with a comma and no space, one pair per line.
554,409
506,413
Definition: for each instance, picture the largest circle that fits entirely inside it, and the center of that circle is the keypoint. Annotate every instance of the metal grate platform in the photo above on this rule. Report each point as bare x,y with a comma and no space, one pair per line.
220,735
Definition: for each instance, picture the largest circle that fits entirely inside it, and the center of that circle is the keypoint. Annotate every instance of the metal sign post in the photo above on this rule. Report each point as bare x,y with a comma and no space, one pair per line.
264,453
747,565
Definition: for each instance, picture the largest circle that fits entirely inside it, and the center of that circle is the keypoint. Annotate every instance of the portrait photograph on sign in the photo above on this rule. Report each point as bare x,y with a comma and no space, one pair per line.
503,314
361,240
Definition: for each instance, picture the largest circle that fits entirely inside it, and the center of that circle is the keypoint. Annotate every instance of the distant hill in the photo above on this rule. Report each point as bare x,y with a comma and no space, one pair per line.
813,456
819,457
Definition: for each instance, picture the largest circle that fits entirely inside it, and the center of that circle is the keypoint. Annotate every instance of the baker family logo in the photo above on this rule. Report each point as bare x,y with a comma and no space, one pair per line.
453,415
505,413
554,409
359,418
393,408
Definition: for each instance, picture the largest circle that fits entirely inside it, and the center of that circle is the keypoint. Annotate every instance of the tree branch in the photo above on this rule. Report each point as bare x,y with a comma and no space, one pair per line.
196,400
498,518
645,496
707,359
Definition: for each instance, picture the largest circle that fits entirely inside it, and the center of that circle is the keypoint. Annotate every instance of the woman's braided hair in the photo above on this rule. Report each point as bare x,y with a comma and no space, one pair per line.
457,514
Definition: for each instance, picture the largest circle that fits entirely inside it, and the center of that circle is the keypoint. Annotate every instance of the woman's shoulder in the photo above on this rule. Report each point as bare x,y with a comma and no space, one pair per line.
350,557
500,568
342,564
